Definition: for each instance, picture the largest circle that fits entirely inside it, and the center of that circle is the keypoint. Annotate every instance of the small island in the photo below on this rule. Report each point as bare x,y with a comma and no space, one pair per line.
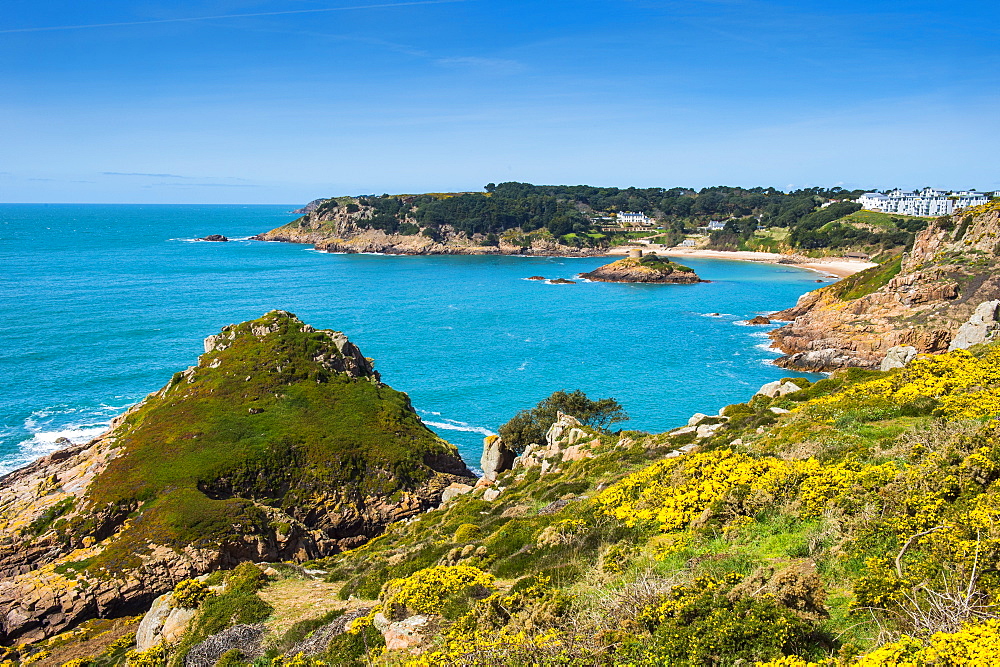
637,268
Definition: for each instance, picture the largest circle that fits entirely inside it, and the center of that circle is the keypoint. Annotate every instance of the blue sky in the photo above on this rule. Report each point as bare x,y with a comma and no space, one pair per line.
283,101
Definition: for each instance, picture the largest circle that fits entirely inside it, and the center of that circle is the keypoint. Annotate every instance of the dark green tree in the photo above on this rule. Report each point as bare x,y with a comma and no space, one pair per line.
529,426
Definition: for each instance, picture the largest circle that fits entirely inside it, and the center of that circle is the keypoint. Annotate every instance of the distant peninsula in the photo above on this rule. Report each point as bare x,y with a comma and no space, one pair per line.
582,221
639,268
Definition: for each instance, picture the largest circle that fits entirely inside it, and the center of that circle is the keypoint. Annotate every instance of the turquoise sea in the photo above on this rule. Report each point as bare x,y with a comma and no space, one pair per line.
101,304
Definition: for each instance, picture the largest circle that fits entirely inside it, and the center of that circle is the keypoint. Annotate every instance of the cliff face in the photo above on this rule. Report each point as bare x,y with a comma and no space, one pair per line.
341,229
281,444
920,301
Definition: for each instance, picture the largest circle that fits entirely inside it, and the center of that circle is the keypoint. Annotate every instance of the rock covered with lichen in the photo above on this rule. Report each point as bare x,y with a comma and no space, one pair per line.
282,443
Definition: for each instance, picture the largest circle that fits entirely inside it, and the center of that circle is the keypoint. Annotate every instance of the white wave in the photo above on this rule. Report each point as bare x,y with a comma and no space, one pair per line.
42,443
456,427
428,412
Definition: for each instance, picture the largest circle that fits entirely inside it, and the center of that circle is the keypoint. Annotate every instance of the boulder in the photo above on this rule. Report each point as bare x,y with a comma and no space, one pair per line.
214,237
826,359
898,356
778,388
708,430
454,490
981,327
760,319
696,418
489,495
148,633
497,457
405,634
562,424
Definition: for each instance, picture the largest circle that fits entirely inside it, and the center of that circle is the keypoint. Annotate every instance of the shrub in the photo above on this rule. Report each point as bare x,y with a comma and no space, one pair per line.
190,593
701,624
530,426
467,532
427,590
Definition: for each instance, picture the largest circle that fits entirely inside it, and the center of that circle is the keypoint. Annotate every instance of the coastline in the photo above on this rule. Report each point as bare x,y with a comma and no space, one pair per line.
836,267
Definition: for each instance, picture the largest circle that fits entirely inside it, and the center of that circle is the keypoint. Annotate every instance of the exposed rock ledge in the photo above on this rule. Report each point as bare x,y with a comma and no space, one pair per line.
947,279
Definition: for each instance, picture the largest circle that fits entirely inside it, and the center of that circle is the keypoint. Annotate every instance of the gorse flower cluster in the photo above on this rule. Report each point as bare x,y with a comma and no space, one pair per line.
966,386
189,593
426,591
673,492
973,645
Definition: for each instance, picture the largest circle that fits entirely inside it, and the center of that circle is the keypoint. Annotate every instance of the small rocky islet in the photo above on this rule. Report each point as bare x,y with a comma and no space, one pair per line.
644,268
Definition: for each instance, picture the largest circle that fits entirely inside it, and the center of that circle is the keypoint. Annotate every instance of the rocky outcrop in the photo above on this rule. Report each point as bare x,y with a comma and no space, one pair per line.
344,229
280,444
218,238
952,269
164,622
981,327
778,388
497,457
309,208
648,269
898,357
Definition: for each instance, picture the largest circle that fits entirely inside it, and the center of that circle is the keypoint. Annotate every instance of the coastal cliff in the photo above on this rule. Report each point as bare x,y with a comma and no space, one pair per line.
348,225
645,269
919,299
282,443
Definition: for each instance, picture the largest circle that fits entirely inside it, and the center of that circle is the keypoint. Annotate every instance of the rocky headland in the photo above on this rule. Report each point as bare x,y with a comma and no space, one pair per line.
920,299
281,444
346,226
643,269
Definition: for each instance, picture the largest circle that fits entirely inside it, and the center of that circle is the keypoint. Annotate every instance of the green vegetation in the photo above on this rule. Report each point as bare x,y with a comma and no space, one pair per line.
852,522
238,603
571,214
817,533
258,424
867,281
529,426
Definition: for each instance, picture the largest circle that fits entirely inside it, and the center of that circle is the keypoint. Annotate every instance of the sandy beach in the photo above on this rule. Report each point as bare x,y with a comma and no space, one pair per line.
838,267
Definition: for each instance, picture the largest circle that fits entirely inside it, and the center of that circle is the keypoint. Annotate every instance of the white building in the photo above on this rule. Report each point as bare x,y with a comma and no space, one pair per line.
716,226
634,219
928,203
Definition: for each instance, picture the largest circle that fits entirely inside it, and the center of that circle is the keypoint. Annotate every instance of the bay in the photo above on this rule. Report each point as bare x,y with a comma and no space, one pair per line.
101,304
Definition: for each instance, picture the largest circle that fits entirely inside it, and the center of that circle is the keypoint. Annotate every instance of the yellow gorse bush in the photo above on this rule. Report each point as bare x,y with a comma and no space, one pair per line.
973,645
966,386
427,590
485,647
673,492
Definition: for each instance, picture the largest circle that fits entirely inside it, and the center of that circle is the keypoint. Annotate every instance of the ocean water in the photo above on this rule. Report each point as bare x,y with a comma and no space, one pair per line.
101,304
